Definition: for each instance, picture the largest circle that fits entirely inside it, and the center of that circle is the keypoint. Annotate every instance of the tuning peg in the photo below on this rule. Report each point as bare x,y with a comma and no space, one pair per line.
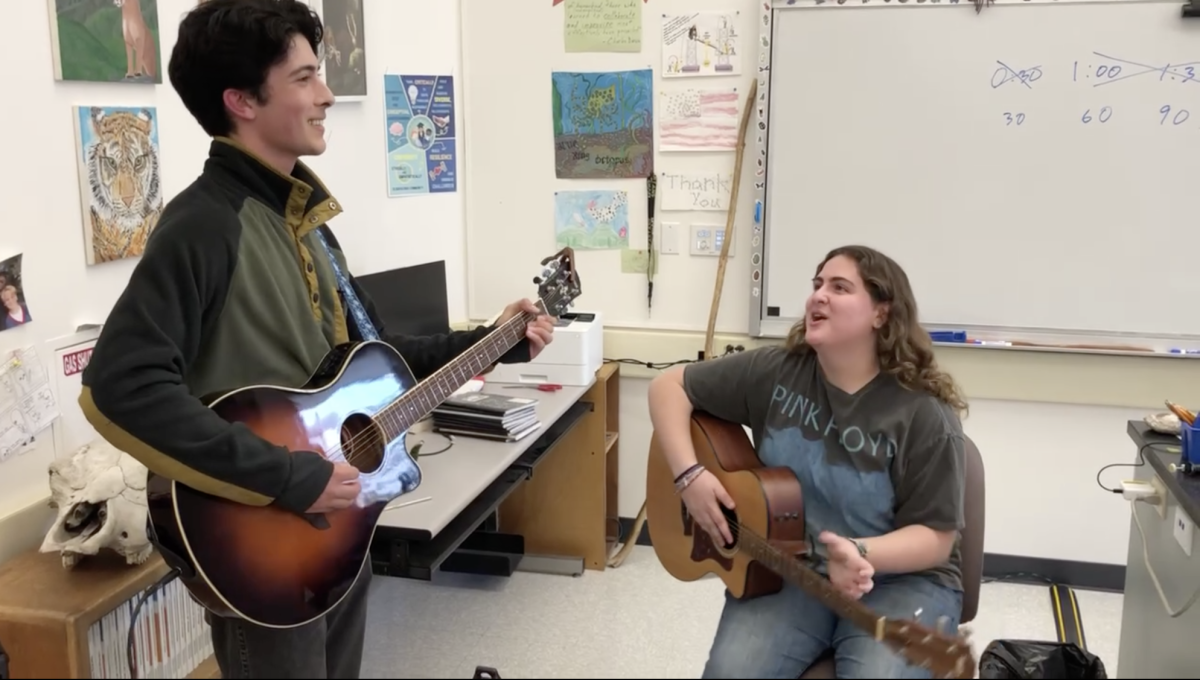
537,280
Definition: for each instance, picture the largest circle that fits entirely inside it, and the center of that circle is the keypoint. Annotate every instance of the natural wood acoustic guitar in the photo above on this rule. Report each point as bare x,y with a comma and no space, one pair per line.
278,569
767,525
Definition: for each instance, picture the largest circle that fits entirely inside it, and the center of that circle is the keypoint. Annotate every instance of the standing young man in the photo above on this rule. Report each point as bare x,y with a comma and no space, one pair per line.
242,283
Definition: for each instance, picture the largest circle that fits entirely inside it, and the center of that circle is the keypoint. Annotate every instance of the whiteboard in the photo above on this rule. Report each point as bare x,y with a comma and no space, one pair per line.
1031,167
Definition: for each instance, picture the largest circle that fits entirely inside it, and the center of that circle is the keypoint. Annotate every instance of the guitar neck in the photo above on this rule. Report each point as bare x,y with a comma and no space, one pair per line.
799,574
415,404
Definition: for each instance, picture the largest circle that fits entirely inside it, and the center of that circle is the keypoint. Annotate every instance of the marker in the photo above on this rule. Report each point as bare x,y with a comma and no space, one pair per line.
1179,350
992,343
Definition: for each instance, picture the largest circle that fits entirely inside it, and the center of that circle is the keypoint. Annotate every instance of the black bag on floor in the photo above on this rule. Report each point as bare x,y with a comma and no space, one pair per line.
1029,659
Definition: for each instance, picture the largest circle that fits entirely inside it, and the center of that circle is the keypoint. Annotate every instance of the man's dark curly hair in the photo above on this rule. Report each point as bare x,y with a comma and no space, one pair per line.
232,44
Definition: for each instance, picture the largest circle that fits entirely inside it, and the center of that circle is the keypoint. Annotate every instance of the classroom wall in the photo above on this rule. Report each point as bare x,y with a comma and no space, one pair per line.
43,210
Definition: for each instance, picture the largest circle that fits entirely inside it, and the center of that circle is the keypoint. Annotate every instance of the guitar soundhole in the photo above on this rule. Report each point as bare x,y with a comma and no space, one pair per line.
731,520
363,442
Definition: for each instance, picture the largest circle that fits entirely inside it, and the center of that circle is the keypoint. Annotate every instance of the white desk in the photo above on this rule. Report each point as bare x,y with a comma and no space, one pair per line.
455,478
465,484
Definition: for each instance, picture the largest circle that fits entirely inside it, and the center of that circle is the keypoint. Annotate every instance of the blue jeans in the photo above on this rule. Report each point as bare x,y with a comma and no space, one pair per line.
781,635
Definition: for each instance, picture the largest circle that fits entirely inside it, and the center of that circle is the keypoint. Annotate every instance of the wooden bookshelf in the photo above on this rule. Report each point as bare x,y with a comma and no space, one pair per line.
46,611
569,507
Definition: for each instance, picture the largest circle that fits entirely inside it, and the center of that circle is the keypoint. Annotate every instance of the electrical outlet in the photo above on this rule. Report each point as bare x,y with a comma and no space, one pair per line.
1161,491
668,238
1182,526
707,240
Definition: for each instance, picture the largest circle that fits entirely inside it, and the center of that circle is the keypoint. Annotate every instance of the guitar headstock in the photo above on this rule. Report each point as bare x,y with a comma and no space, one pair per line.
944,655
558,286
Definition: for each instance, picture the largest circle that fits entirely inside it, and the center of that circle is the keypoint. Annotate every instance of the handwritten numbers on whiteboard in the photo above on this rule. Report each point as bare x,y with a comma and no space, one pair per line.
1103,115
1180,116
1011,118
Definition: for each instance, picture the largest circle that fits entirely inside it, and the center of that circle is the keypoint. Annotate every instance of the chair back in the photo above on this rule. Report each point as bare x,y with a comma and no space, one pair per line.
971,545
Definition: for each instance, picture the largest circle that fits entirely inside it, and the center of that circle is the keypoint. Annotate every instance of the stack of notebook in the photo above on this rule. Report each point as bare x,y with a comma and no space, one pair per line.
489,416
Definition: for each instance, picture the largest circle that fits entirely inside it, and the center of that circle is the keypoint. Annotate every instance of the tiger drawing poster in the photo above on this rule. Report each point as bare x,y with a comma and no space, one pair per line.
120,182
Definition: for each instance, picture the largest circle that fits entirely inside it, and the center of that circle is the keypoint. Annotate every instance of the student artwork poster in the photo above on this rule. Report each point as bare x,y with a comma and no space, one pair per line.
421,128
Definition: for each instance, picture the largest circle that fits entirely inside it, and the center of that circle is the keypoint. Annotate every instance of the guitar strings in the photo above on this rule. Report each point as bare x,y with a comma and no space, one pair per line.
823,584
371,437
956,644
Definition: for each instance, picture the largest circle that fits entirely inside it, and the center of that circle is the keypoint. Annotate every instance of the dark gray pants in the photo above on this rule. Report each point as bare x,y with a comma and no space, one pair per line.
330,647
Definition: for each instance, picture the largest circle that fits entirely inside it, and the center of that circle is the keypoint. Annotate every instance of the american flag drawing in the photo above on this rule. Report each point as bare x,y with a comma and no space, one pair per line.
699,120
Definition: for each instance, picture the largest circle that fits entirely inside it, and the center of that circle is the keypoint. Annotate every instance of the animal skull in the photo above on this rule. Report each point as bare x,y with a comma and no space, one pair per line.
100,495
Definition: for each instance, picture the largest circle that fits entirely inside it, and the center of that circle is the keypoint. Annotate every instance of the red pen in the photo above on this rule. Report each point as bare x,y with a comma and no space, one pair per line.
543,387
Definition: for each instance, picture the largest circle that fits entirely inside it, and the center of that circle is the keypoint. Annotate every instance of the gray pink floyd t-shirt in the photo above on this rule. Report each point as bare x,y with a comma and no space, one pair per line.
869,463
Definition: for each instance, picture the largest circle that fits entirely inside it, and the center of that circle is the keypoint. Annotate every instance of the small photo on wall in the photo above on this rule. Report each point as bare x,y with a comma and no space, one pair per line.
345,63
12,294
120,182
106,41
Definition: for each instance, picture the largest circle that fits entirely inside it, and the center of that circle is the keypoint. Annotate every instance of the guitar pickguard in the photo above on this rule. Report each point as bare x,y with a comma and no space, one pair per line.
703,547
376,378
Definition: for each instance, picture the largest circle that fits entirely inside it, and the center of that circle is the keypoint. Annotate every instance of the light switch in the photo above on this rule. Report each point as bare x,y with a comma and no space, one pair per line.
668,238
706,240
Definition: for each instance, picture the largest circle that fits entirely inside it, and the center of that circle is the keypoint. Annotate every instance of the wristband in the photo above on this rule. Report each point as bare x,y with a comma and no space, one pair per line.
686,472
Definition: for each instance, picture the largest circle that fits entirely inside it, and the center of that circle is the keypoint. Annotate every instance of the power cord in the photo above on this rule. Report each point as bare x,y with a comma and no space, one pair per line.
416,451
1139,496
663,365
1140,463
137,609
652,365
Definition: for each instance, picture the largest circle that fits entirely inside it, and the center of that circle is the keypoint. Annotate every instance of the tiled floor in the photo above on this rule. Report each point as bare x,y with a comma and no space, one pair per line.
633,621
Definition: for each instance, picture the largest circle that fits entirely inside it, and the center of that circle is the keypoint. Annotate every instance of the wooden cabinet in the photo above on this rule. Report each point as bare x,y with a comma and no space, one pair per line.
60,623
569,507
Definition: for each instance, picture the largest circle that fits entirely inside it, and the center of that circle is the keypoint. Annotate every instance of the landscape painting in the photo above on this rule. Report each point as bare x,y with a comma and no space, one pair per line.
603,124
106,41
120,182
591,220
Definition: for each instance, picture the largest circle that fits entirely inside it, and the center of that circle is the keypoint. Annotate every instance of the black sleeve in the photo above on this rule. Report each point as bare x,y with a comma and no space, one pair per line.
134,392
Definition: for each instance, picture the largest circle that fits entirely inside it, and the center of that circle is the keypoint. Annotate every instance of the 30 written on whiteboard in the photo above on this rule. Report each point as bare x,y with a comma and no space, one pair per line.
709,191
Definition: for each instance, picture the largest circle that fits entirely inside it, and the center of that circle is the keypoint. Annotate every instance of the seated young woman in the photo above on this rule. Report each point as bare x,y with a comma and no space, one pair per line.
854,403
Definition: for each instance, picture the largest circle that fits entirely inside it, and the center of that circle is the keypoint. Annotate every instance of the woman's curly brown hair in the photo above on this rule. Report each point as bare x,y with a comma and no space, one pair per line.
904,346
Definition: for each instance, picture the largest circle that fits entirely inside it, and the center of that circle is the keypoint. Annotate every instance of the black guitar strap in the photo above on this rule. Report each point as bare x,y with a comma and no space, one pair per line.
3,663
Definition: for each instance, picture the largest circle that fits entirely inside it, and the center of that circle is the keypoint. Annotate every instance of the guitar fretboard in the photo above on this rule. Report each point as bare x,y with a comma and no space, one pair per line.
415,404
813,583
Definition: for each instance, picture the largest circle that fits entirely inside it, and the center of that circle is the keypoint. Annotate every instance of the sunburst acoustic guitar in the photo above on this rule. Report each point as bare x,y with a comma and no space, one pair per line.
280,570
768,532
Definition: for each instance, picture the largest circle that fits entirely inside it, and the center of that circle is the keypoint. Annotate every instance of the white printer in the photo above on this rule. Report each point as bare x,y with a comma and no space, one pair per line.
571,359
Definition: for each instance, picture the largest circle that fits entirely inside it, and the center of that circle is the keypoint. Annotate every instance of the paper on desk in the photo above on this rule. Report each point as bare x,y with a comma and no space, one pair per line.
27,404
